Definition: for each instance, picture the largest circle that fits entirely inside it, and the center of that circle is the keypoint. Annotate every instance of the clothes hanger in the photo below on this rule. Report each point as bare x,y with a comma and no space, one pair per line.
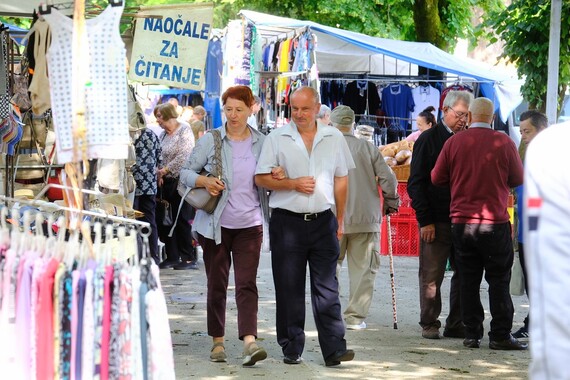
44,9
98,229
5,230
59,250
87,251
50,243
25,240
38,243
108,252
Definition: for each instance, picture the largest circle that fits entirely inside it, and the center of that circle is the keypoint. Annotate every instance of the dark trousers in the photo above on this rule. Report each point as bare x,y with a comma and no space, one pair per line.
485,248
147,205
243,246
433,260
294,242
179,246
523,266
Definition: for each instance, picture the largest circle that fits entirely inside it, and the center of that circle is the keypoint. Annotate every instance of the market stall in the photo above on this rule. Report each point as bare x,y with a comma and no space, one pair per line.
376,77
347,56
86,232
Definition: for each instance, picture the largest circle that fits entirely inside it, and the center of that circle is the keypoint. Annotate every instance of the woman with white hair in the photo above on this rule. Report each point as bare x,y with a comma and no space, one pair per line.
324,115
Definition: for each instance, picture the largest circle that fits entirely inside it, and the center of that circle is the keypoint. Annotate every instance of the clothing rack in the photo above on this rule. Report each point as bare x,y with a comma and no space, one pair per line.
142,227
384,117
349,77
70,291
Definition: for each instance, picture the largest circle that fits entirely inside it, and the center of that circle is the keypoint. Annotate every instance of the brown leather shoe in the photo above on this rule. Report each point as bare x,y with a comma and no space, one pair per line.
220,355
431,332
511,343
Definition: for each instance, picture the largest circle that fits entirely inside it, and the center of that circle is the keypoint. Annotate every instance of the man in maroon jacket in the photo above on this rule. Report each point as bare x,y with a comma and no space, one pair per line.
431,204
480,166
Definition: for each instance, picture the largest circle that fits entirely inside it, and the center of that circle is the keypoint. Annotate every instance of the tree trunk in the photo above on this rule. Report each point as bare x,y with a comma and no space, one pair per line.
428,23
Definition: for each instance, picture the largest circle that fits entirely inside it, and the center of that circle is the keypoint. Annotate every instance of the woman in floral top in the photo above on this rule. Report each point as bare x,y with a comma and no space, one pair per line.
147,151
177,143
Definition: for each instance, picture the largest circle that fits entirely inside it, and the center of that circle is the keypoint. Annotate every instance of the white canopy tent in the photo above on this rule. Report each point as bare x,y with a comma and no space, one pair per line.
339,50
18,8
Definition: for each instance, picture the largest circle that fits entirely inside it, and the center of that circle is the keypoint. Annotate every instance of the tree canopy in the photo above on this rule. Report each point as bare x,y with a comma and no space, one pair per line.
524,26
440,22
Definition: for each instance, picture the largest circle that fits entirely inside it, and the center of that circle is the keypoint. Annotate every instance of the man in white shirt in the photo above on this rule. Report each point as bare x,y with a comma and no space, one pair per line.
547,244
303,228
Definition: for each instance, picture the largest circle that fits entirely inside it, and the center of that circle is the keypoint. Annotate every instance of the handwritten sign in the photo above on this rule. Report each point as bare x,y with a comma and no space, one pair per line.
170,45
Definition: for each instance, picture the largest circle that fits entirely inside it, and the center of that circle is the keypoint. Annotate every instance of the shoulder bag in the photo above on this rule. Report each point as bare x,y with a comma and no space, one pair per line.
199,197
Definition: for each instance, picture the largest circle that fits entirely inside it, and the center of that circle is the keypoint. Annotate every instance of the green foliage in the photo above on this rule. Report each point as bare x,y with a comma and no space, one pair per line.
440,22
18,21
524,26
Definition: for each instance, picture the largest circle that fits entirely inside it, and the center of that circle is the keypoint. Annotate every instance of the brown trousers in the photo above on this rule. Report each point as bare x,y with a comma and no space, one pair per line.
433,260
242,246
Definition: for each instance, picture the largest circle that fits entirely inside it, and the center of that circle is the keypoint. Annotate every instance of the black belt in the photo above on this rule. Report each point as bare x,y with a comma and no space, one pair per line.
307,217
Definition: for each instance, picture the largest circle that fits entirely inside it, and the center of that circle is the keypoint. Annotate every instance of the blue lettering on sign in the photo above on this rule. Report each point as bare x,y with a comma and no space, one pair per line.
179,27
165,71
166,52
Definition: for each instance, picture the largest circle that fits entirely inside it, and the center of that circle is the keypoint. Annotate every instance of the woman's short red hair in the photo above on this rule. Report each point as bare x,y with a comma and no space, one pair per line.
239,92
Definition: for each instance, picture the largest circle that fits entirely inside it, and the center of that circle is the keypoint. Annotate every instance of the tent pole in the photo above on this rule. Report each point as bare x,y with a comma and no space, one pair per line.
553,62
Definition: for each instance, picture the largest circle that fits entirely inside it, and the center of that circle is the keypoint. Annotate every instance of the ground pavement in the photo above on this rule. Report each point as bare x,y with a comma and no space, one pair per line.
381,351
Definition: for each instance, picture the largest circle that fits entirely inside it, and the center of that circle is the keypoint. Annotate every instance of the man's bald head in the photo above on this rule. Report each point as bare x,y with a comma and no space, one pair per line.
481,110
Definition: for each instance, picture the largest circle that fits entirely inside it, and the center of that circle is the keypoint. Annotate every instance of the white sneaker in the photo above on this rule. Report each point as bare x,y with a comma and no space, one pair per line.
360,326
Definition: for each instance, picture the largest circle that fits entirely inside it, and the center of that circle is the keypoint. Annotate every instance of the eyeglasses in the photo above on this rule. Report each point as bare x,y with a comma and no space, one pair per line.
459,115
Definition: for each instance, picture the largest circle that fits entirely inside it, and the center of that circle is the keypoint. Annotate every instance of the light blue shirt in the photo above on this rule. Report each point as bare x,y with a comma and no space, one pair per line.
329,158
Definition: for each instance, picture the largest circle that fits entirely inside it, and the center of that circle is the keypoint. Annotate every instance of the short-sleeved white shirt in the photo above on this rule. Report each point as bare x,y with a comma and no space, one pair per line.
330,157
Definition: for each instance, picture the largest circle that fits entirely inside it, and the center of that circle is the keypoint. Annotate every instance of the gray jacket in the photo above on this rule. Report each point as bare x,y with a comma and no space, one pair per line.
363,210
208,225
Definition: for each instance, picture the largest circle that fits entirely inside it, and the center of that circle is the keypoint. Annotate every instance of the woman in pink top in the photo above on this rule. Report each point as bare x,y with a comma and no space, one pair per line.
424,121
233,233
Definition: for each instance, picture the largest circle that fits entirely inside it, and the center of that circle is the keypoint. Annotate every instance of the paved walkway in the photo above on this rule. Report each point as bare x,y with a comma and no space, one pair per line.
381,351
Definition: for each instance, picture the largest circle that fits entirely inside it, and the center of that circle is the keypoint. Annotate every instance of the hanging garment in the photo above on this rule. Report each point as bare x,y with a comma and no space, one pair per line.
106,117
424,96
4,77
398,103
362,98
39,95
63,321
453,87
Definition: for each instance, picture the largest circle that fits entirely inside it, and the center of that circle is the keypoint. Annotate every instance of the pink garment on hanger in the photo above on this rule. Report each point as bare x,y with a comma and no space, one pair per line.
44,320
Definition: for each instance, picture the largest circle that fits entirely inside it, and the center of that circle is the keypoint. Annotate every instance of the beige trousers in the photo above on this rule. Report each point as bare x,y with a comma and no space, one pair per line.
362,251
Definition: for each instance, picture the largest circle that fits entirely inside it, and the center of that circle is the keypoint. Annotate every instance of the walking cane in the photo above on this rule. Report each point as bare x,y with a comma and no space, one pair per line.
392,283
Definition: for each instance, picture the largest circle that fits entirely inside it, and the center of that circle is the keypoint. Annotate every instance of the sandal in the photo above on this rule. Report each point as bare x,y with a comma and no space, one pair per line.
220,356
252,354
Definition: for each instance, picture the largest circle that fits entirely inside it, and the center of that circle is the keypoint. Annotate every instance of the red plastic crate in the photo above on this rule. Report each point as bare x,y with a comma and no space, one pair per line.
405,234
405,231
405,200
